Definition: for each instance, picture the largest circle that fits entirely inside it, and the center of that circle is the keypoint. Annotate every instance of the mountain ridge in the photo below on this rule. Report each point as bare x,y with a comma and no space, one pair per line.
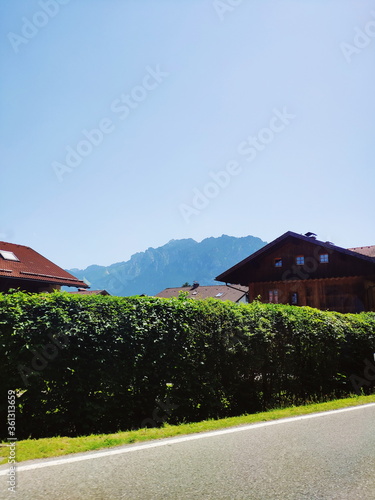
170,265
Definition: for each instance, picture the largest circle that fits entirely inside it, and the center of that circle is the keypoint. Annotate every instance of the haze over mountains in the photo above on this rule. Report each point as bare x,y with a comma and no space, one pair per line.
170,265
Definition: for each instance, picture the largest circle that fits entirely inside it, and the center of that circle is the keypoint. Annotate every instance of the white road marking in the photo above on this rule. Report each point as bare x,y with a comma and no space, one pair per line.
169,441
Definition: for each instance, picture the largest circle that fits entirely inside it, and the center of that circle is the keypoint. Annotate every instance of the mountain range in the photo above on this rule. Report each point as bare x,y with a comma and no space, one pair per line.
171,265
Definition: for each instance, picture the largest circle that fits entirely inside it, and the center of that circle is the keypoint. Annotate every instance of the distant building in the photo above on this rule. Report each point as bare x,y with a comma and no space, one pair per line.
82,291
23,268
221,292
300,270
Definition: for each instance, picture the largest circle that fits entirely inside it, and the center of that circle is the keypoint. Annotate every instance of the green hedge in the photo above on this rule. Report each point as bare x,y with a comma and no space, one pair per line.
85,365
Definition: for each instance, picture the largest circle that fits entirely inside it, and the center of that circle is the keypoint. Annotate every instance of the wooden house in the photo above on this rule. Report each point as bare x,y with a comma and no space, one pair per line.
23,268
300,270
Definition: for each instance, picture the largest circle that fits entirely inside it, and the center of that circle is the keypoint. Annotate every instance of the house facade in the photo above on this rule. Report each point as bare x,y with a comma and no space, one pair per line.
23,268
300,270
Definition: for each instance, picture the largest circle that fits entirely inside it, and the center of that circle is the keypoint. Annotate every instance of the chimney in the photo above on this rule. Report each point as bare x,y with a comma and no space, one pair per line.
311,235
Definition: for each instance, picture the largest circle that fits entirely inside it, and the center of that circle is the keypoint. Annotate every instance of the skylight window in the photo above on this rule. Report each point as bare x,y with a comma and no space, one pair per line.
6,255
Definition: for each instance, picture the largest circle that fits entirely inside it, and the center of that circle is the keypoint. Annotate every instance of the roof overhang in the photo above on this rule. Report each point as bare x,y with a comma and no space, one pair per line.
49,281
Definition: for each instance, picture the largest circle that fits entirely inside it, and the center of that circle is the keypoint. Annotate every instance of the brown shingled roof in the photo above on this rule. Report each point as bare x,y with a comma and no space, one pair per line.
91,292
32,266
222,292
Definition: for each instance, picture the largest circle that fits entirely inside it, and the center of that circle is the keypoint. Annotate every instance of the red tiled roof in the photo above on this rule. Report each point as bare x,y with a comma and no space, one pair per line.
33,266
369,251
222,292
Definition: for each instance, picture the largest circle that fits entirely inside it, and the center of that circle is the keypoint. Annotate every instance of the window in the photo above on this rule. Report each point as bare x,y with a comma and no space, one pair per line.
278,262
300,260
6,255
273,297
294,298
323,257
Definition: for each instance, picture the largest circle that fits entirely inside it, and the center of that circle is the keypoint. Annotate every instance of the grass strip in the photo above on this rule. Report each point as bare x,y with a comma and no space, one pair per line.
31,449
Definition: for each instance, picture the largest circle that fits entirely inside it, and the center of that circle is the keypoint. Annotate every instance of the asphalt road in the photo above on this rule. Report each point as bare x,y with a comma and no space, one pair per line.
324,456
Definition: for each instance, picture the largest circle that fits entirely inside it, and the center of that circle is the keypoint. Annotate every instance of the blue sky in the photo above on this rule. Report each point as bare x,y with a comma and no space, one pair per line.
126,123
